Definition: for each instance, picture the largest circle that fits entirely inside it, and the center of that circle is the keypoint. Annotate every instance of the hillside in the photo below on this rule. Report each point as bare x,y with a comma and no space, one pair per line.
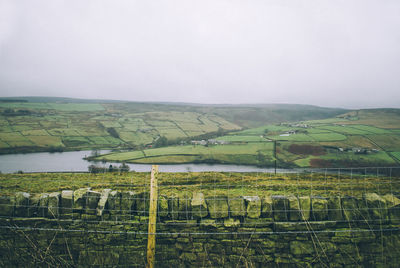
354,139
31,124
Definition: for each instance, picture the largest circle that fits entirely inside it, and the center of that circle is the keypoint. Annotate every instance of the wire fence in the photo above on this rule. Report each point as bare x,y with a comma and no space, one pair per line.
190,198
250,211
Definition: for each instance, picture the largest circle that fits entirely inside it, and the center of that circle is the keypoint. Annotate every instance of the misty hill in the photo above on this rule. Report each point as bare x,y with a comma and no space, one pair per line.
53,124
362,138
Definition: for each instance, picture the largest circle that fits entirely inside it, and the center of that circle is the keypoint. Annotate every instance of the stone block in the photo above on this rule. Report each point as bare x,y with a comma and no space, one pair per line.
294,208
185,206
305,207
266,207
280,205
301,248
43,205
327,247
80,198
208,223
53,205
7,204
92,199
98,258
335,208
33,208
162,209
67,201
231,222
393,206
128,203
237,206
114,202
376,206
253,204
143,203
350,208
199,206
21,204
101,206
218,207
319,208
173,207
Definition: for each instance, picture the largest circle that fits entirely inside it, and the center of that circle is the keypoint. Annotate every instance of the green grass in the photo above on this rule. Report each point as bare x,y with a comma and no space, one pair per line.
242,153
263,130
3,145
98,140
46,141
328,136
13,136
373,130
325,121
75,126
208,183
84,125
75,141
70,107
171,133
387,142
396,155
108,124
292,137
65,132
36,132
240,138
371,158
76,107
122,156
5,128
303,162
346,130
20,143
316,130
22,127
246,146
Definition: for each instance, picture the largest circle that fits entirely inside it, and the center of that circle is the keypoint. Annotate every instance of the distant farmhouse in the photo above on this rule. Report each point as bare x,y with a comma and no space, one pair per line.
209,142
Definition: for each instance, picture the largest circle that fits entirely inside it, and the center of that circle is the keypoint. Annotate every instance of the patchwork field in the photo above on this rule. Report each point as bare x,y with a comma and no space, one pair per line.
76,126
335,142
186,133
247,153
32,124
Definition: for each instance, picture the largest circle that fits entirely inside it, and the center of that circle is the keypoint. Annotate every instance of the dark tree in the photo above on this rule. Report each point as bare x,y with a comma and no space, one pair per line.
161,142
113,132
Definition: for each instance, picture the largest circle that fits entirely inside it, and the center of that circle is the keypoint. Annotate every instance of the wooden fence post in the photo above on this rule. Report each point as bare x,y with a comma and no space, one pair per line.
151,240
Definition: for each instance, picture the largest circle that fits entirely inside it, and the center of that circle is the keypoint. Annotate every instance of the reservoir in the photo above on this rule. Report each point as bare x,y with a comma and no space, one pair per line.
74,162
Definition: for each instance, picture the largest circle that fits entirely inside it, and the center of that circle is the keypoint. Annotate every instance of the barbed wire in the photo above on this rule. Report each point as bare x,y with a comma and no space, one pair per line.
199,233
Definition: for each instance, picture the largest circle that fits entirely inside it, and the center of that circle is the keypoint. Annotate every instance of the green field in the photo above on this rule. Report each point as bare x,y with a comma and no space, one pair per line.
241,138
396,155
30,127
164,133
232,153
335,142
33,124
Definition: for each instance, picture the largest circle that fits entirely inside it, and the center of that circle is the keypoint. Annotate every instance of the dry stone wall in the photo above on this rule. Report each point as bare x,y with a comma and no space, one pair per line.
109,228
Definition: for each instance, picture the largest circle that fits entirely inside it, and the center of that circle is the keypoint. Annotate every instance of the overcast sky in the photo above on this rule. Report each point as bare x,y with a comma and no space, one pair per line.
343,53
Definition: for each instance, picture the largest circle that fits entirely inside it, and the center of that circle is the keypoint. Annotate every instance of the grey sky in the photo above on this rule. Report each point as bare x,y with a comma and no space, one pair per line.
330,53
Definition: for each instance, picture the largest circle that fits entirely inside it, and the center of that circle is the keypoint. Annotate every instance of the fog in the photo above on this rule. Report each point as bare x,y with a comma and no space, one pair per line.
341,53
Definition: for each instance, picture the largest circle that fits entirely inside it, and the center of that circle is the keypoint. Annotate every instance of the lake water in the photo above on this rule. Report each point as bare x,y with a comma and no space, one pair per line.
73,161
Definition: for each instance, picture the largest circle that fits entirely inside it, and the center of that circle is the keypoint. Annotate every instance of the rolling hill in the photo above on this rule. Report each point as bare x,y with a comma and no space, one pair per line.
32,124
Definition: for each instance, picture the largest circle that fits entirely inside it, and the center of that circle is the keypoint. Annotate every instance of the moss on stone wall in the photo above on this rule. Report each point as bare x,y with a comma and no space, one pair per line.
108,228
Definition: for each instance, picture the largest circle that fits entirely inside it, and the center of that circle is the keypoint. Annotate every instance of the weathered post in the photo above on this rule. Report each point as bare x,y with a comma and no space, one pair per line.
151,240
275,155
